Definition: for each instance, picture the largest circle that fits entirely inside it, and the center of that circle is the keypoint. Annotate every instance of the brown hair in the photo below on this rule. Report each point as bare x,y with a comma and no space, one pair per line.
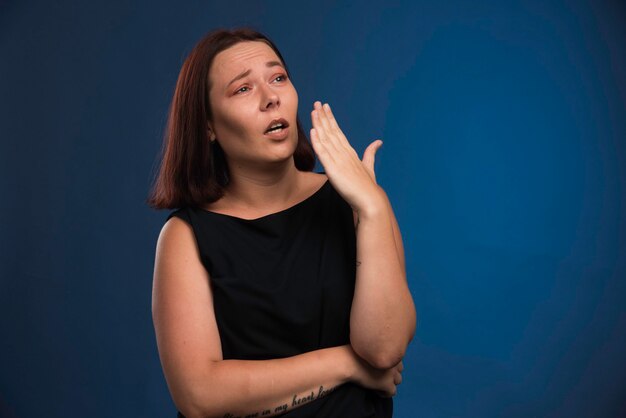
193,169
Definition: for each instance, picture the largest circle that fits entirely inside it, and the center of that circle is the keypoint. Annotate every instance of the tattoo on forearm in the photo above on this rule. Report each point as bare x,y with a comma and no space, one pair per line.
296,401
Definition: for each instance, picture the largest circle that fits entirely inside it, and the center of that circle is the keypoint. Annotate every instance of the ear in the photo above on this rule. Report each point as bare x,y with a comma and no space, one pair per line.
210,132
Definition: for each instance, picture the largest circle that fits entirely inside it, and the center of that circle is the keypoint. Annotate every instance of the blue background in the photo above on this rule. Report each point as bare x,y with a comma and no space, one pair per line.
504,128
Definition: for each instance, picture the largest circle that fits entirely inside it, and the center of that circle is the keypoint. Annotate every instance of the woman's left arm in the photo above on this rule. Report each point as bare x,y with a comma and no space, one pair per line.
383,318
397,236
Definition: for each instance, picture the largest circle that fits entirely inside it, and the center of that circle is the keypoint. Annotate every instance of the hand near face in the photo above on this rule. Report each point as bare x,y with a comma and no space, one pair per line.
354,179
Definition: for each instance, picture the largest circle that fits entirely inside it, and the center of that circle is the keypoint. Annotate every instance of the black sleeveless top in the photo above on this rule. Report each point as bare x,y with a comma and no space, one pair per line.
283,285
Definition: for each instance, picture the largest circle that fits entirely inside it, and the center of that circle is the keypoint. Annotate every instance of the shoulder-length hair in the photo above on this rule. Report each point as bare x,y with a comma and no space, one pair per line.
193,169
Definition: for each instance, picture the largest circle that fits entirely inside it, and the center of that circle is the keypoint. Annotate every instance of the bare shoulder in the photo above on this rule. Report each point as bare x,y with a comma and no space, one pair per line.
174,227
178,264
184,321
176,238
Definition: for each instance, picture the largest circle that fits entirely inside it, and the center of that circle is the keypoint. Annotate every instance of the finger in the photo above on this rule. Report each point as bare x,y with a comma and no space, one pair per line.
400,366
321,118
322,133
334,127
397,379
330,116
315,117
333,133
330,131
320,148
369,156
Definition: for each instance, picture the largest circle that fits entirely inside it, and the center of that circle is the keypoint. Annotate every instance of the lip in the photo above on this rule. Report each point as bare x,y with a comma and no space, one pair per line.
279,135
282,121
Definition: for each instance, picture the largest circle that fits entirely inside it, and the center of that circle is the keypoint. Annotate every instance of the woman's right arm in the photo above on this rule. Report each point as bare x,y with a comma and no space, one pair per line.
201,383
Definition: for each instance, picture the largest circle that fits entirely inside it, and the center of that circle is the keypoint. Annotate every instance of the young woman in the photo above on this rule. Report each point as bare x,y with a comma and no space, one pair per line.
277,290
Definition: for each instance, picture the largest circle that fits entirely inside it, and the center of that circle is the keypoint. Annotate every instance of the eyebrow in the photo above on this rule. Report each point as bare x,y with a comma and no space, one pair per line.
268,64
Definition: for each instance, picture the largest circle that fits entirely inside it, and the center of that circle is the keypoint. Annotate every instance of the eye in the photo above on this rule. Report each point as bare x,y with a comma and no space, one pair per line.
283,76
240,90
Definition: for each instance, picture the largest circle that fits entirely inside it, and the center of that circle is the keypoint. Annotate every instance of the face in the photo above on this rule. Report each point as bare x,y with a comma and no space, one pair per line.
249,90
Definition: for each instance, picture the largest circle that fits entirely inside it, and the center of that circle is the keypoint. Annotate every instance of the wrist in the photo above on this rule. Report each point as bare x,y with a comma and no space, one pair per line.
375,207
348,363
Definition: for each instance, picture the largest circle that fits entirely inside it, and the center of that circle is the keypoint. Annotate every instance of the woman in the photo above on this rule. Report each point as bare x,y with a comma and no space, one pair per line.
259,307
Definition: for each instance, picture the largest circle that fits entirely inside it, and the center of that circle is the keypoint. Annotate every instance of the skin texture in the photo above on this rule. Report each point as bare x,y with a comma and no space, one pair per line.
264,180
240,110
383,318
262,171
352,177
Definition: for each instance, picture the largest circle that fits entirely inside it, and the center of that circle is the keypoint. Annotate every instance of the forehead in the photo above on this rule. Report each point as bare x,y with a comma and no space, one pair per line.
241,57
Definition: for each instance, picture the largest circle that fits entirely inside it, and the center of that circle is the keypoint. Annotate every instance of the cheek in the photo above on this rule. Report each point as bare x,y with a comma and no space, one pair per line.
226,119
294,98
233,124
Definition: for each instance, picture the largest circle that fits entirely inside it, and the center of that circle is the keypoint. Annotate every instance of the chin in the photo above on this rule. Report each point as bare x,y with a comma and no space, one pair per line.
284,151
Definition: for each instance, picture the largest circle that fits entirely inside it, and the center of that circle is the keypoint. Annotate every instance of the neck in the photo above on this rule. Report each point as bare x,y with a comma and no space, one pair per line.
263,187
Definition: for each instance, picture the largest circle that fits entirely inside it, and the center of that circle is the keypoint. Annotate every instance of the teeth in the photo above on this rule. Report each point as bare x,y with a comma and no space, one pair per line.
277,127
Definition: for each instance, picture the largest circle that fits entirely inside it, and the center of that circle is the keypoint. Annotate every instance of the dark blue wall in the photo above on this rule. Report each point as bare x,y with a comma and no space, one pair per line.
504,128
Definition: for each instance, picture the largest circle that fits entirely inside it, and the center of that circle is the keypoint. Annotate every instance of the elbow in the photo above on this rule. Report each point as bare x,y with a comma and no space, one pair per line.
193,401
208,404
189,405
193,409
190,412
386,360
384,357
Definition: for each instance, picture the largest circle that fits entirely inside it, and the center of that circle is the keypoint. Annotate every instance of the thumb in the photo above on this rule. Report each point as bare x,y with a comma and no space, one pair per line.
369,156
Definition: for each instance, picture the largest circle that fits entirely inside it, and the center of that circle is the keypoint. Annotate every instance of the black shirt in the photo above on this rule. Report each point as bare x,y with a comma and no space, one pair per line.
283,285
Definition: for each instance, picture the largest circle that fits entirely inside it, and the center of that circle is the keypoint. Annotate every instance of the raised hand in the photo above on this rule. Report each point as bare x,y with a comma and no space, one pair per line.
354,179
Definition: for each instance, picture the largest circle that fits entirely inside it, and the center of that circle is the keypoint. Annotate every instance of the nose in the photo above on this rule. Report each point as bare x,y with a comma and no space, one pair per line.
270,98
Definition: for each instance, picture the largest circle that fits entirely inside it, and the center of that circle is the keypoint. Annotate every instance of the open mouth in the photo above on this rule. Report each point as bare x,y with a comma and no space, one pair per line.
276,126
